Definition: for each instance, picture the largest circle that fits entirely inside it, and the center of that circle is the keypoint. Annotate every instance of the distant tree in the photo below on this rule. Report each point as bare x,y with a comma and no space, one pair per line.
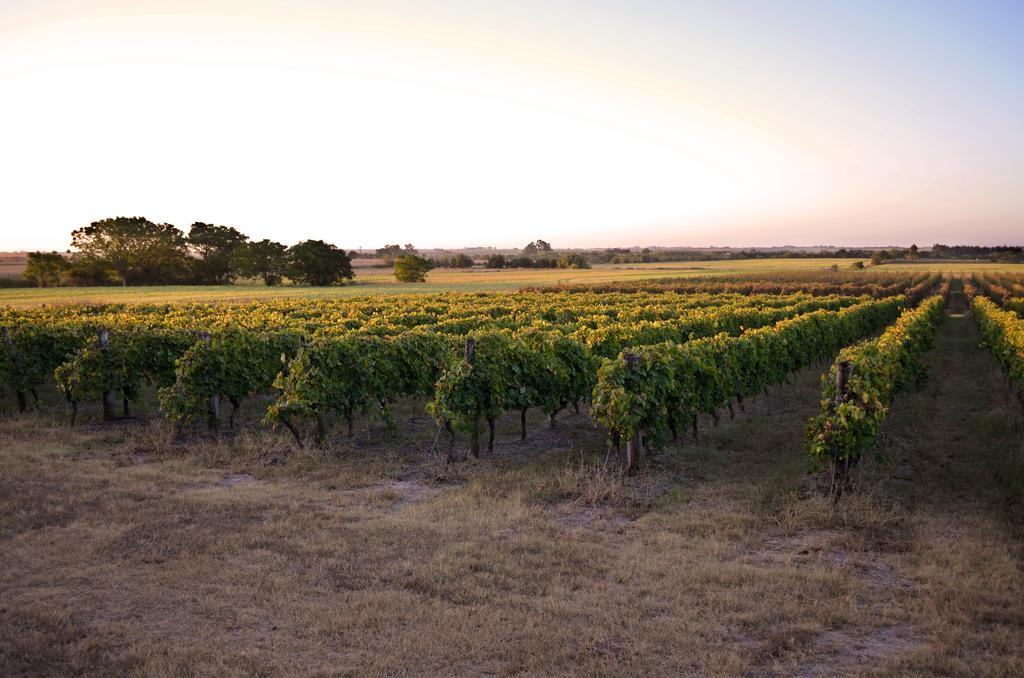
536,247
496,261
573,260
456,261
86,271
519,262
549,261
411,268
46,269
138,250
213,247
878,258
1006,257
264,259
913,251
857,265
389,252
316,262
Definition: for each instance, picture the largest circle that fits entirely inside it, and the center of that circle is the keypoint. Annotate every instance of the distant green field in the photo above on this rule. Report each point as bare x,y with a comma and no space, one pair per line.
380,281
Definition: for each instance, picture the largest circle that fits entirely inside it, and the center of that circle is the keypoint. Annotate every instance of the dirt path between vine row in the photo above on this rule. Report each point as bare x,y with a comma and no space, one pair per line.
125,553
941,546
953,456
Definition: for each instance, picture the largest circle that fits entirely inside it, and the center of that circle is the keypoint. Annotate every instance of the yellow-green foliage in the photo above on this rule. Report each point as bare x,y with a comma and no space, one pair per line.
844,429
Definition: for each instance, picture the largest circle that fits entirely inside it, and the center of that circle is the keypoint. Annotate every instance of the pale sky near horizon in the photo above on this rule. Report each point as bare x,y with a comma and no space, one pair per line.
451,123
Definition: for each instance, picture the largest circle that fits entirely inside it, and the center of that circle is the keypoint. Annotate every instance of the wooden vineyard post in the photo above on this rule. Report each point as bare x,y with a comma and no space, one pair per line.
22,402
840,468
474,439
109,397
635,444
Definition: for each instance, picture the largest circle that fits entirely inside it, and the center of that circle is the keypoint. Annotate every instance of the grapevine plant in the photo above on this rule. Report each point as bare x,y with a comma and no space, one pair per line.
535,350
669,384
230,364
1003,333
848,425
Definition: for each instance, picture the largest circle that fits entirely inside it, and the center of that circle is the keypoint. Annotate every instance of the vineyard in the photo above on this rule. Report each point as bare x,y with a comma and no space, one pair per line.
647,359
824,465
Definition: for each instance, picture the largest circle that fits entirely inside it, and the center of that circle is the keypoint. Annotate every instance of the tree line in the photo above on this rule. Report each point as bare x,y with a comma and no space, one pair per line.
620,255
137,251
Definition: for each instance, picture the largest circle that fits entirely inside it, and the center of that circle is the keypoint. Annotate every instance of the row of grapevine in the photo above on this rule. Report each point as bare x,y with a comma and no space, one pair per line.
1007,290
878,285
500,372
1003,332
659,390
1016,305
193,373
504,370
390,314
120,364
43,338
356,374
923,288
859,388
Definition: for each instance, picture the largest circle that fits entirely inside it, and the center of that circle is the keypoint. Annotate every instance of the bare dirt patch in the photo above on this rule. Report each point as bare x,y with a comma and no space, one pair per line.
843,653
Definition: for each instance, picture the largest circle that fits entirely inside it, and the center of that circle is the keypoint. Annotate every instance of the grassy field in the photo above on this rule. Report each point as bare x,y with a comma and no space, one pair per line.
381,281
125,551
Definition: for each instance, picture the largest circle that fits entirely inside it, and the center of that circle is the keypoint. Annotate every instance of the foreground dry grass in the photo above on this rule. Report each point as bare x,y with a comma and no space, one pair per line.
123,552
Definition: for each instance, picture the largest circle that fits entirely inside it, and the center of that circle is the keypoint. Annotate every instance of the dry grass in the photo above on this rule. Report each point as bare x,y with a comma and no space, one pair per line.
126,552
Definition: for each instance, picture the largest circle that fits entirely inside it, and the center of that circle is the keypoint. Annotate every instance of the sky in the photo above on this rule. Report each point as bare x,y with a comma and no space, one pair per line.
451,123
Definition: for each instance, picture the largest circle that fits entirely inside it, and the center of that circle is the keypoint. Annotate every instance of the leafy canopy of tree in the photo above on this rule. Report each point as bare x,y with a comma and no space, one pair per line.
264,259
87,271
391,252
316,262
572,260
46,269
536,247
531,262
135,248
213,247
456,261
496,261
411,268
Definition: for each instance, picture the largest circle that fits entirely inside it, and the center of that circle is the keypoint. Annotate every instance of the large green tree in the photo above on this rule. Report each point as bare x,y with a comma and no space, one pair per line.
135,248
264,259
213,246
45,269
316,262
411,268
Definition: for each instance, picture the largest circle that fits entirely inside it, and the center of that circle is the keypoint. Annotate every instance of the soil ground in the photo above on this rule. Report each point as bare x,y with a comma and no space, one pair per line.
126,551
